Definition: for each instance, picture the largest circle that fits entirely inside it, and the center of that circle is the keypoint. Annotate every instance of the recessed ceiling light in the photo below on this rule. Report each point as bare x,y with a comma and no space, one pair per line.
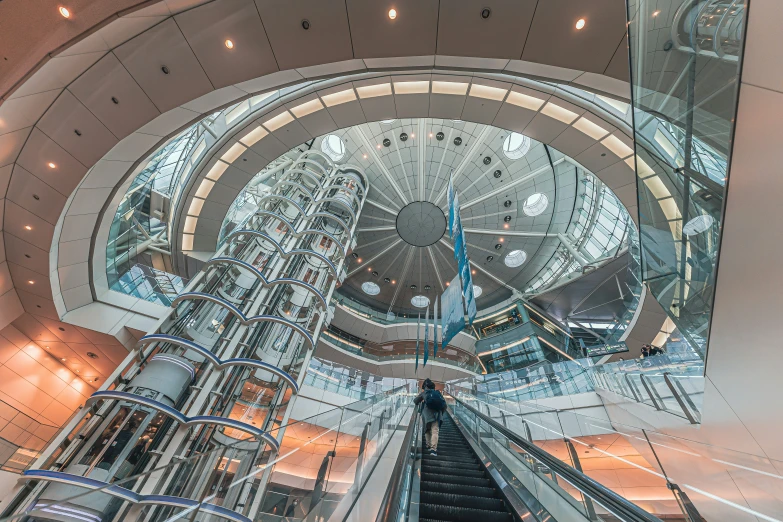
656,13
473,272
64,12
229,44
505,225
413,135
430,135
364,156
28,227
580,23
501,240
359,260
52,165
30,282
62,359
392,13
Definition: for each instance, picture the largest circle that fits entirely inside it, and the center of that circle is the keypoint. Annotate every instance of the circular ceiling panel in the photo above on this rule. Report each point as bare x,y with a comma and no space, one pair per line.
421,224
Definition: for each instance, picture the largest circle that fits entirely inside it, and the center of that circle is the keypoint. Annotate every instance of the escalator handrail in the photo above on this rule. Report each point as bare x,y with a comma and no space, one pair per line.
611,501
389,511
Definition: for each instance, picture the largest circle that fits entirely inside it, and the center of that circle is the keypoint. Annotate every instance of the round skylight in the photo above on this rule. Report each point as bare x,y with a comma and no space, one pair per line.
371,288
698,225
535,204
333,146
516,146
420,301
477,291
515,258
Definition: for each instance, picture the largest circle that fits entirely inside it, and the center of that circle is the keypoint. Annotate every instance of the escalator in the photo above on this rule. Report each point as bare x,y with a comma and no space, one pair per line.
455,485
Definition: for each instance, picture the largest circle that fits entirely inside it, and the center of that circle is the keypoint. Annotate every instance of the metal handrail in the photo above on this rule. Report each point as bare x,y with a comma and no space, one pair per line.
401,482
608,499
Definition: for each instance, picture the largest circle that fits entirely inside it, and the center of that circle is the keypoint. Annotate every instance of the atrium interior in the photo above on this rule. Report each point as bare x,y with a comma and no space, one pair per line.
241,238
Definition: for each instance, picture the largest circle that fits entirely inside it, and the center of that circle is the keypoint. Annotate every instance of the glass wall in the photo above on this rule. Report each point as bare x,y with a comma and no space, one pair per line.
685,64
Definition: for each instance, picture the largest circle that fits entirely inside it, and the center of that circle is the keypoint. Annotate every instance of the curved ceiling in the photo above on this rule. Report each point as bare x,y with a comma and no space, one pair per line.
95,57
415,167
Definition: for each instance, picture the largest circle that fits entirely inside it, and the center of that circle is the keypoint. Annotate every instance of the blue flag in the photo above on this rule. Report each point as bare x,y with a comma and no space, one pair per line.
452,315
418,330
435,327
426,335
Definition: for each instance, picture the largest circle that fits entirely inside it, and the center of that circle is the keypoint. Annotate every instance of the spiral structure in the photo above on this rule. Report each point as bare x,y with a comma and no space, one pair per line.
219,376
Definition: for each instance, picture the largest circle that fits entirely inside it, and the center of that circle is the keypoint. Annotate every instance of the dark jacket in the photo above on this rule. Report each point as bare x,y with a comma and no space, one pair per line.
427,414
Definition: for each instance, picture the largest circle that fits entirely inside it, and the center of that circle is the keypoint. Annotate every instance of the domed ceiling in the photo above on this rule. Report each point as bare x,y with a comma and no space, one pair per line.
526,211
514,204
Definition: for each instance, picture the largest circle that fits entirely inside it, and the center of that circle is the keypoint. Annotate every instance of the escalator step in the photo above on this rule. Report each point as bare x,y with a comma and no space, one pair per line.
454,472
449,464
465,501
466,459
458,489
459,514
454,479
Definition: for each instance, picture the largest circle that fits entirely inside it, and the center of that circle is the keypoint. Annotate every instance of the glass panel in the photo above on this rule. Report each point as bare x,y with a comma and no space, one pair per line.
684,99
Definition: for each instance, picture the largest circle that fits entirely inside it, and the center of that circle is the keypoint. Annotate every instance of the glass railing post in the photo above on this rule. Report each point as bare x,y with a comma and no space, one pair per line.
634,391
679,398
651,393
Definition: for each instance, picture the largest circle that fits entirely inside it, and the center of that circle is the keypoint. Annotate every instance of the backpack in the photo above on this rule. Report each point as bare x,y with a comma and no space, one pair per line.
434,400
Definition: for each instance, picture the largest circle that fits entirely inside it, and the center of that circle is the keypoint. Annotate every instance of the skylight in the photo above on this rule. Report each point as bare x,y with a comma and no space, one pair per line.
371,288
516,145
535,205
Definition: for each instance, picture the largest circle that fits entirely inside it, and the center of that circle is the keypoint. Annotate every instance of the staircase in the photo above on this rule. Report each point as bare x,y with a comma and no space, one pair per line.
455,486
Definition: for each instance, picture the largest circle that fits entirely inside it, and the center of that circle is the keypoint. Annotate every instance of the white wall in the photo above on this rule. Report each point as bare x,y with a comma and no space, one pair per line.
745,360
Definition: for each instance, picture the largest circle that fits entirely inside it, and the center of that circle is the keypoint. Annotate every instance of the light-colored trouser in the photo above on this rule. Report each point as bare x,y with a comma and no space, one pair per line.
431,434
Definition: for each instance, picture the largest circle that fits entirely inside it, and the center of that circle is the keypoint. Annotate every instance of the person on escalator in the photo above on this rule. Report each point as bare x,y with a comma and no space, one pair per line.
432,407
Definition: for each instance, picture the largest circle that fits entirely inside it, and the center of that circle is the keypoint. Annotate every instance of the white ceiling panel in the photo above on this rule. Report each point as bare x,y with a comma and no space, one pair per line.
77,130
39,151
57,73
411,33
109,91
208,27
462,31
164,46
17,218
327,39
34,195
11,144
20,113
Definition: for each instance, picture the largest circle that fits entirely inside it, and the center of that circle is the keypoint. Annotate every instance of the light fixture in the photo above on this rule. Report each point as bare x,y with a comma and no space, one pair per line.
413,135
52,165
64,12
364,156
430,135
392,13
580,23
359,260
28,227
229,44
62,359
30,282
505,225
656,13
501,240
473,272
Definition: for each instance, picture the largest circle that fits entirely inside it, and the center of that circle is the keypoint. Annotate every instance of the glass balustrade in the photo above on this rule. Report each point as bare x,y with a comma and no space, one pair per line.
663,472
321,460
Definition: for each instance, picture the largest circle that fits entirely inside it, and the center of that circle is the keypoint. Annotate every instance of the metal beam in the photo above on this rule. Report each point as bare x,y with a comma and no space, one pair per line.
479,268
402,277
376,229
505,188
422,148
381,207
442,157
377,161
435,266
571,250
515,233
466,160
373,258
